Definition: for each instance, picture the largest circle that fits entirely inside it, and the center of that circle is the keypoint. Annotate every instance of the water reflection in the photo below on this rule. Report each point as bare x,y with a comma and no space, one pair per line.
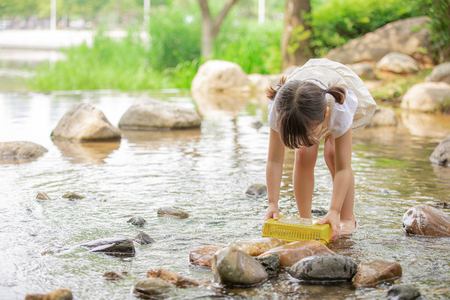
153,139
92,152
429,125
217,105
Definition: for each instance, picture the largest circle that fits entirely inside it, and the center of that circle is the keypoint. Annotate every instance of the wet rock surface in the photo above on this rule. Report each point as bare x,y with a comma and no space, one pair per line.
370,274
137,221
258,246
115,274
43,196
427,221
233,267
202,255
61,294
318,211
72,196
112,246
441,154
324,268
403,292
172,212
13,151
294,252
271,263
173,278
82,122
256,190
153,288
143,239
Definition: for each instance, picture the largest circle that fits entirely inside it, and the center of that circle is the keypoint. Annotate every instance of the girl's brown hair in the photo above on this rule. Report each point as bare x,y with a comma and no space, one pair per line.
301,106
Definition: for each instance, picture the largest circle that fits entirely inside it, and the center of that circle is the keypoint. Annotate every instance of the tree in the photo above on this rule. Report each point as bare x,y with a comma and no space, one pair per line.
210,27
295,46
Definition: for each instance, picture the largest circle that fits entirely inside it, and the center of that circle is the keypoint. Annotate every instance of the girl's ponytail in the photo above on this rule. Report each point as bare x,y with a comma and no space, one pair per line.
337,92
272,92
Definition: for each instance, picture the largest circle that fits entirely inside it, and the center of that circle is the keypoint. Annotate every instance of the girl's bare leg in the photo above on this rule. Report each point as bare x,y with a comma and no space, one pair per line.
347,216
303,178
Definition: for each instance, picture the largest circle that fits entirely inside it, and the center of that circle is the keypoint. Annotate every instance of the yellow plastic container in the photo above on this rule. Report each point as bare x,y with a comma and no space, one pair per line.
292,229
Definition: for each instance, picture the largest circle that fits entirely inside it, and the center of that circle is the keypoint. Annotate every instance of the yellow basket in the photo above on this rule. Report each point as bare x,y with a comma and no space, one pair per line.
292,229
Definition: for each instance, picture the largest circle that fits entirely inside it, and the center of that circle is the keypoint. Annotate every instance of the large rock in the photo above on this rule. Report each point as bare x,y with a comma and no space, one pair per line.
233,267
257,246
383,116
370,274
174,278
61,294
441,154
203,255
324,268
153,288
153,114
112,246
426,221
403,292
294,252
271,263
363,70
440,73
83,123
398,63
220,76
12,151
399,36
427,97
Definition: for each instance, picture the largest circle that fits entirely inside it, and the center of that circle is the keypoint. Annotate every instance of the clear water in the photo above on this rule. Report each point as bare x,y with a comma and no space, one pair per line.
203,172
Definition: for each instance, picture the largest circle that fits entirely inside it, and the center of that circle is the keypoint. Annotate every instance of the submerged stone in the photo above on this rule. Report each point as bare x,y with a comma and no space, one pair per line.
143,239
426,221
61,294
370,274
137,221
115,275
318,211
256,190
202,255
271,263
173,278
257,246
324,268
403,292
72,196
43,196
233,267
112,246
173,212
153,288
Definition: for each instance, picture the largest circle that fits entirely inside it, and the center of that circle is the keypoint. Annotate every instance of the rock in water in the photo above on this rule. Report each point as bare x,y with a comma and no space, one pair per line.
203,255
173,212
72,196
82,122
403,292
61,294
383,116
173,278
426,221
256,190
257,246
11,151
324,268
115,275
153,288
153,114
137,221
441,154
43,196
112,246
293,252
370,274
143,239
271,263
233,267
426,97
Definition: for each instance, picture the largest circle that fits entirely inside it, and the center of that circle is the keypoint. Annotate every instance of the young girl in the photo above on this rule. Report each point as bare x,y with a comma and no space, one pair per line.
320,100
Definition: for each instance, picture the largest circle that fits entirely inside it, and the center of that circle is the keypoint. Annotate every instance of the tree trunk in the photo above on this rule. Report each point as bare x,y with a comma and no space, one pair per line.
295,45
210,27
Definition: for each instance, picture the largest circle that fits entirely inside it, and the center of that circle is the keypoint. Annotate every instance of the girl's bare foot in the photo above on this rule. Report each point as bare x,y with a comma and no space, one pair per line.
348,226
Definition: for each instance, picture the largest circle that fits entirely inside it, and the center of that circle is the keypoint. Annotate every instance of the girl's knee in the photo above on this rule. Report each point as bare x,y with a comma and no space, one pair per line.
306,156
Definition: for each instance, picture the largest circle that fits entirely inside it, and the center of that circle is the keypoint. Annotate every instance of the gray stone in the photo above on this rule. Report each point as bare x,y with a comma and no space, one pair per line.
43,196
233,267
363,70
403,292
143,239
398,63
399,36
271,263
153,288
256,190
427,97
112,246
440,73
172,212
11,151
84,123
383,116
441,154
153,114
137,221
318,211
324,268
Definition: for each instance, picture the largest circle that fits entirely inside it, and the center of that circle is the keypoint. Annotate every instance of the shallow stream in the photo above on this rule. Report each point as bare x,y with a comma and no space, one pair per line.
203,172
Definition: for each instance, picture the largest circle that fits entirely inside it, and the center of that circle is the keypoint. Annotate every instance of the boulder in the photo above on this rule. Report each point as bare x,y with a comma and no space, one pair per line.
61,294
441,154
173,278
270,263
233,267
363,70
84,123
371,274
398,63
324,268
143,239
112,246
427,97
172,212
153,288
12,151
153,114
440,73
427,221
257,246
399,36
383,116
293,252
43,196
137,221
403,292
220,76
203,255
256,190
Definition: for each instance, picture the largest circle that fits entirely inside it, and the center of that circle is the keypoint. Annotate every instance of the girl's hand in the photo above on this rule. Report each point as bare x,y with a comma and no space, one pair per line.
332,218
272,212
